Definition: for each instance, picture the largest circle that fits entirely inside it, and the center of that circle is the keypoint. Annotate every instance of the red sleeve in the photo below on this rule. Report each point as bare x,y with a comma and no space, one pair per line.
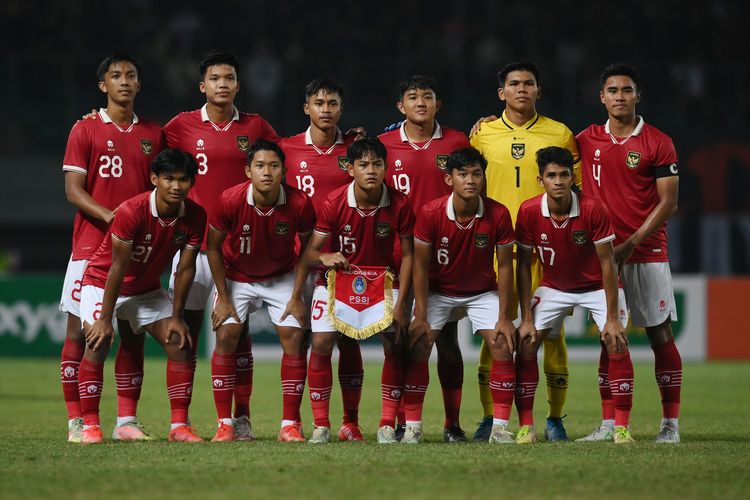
197,228
424,229
306,216
221,217
523,231
665,153
601,226
78,150
171,133
267,132
505,233
406,219
125,224
324,224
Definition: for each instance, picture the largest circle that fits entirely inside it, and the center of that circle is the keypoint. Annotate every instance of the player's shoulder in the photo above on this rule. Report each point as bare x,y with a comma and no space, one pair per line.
655,133
193,209
594,131
149,126
236,191
453,134
391,137
532,203
494,207
292,141
246,117
295,196
136,203
397,198
339,193
184,118
435,205
552,125
590,204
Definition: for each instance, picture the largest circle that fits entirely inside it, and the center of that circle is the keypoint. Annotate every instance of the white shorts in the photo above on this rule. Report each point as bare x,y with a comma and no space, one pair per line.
249,297
70,300
483,310
138,310
203,284
551,307
648,289
319,319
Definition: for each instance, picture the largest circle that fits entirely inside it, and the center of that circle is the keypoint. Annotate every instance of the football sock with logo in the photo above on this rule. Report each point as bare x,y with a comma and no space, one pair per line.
556,373
223,375
502,386
415,386
621,385
129,377
180,389
483,376
351,377
527,380
70,360
668,371
391,387
608,404
320,380
243,385
90,383
293,373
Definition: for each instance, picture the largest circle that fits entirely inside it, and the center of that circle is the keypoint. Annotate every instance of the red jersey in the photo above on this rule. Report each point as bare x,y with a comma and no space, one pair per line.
417,169
219,149
316,171
154,242
260,243
116,163
462,253
622,173
365,237
566,248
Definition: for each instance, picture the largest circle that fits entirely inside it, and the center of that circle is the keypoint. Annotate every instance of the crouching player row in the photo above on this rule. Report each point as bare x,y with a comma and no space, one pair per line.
122,280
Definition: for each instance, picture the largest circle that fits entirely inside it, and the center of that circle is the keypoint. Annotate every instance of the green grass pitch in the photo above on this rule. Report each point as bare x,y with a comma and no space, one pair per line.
713,460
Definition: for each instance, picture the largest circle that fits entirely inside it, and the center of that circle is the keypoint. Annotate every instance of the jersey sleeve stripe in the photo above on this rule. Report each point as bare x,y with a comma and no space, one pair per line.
129,242
74,168
422,242
606,239
215,228
321,233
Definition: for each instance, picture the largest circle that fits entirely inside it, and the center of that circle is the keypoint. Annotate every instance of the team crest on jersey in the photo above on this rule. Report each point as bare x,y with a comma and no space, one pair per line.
146,147
382,229
343,162
441,161
243,142
517,151
282,227
481,240
633,159
359,285
579,237
179,237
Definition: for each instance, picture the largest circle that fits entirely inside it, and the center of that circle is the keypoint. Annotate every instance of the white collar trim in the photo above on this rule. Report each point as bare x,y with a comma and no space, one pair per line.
351,200
451,212
205,118
575,209
436,134
309,142
155,211
281,200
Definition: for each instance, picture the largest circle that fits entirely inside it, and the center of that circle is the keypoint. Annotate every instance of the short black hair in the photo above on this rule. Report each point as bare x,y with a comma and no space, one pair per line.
422,82
368,145
502,75
465,157
620,69
264,145
172,160
114,58
554,154
218,57
327,85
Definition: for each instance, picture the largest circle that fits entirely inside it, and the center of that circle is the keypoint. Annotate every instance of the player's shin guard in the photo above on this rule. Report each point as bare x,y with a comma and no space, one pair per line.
556,372
621,385
451,375
527,380
502,386
293,374
243,385
320,379
415,386
129,377
391,387
351,376
180,389
483,377
90,383
223,375
608,405
70,361
668,371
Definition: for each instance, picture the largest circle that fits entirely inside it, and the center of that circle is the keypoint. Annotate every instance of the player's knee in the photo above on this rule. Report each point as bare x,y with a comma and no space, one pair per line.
421,349
322,343
500,350
660,334
227,339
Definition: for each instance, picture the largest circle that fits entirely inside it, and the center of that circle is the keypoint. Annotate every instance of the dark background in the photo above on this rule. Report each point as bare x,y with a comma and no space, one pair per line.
692,56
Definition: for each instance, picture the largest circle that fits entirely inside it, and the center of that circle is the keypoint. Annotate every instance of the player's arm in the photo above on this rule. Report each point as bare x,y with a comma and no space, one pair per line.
504,325
310,257
523,281
613,333
183,280
422,257
102,331
667,189
224,307
404,283
75,192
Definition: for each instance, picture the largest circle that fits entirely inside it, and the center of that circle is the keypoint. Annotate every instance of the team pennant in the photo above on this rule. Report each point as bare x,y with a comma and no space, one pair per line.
360,301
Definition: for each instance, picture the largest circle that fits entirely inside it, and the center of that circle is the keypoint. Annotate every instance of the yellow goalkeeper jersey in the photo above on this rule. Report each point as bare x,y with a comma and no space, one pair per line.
511,156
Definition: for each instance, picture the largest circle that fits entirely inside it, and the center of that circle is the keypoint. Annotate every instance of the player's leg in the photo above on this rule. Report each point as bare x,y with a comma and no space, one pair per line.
605,431
391,386
416,380
223,376
129,379
450,368
351,377
243,387
73,347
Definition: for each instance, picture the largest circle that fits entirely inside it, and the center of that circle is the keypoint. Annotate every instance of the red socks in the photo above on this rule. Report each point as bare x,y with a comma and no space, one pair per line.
391,386
320,379
451,377
527,380
415,386
668,368
502,387
621,385
608,404
351,376
70,360
129,377
293,372
180,389
243,386
90,382
223,378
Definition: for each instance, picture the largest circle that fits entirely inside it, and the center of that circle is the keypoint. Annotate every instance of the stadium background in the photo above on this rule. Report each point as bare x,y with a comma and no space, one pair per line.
691,56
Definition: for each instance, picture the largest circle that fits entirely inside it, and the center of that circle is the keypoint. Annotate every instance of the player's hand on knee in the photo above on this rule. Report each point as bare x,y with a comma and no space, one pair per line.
418,328
400,324
296,308
614,337
334,260
505,329
99,333
479,123
527,334
177,326
221,312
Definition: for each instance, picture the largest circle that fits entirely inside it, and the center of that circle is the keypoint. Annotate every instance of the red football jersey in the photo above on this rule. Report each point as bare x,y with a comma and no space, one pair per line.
316,171
463,253
566,249
116,163
365,237
220,150
418,169
622,173
260,243
154,241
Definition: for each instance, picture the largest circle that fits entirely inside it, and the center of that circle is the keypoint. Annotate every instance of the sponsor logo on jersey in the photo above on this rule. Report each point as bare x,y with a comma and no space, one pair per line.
633,159
441,161
303,165
179,237
343,162
282,227
481,240
359,285
199,144
146,147
246,228
579,237
382,229
347,228
243,142
444,240
517,151
110,146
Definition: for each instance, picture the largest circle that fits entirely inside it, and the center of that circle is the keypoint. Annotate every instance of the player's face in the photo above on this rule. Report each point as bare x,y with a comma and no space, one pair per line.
419,106
556,181
121,82
520,91
620,95
265,171
220,84
324,109
368,172
172,188
467,182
